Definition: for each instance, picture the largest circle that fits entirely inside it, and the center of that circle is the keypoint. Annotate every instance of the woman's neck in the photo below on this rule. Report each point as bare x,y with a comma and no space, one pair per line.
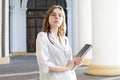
55,31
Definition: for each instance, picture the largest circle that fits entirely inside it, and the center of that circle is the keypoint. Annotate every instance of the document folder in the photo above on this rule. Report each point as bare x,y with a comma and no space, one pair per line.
83,51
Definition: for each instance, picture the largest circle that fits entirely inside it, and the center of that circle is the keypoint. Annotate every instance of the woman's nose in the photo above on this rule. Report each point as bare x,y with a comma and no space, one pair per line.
57,16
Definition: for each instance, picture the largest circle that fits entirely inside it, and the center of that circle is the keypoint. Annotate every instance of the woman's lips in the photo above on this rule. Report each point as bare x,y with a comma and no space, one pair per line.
56,21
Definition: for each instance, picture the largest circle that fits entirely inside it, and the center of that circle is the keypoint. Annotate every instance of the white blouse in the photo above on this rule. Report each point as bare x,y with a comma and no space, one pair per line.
51,54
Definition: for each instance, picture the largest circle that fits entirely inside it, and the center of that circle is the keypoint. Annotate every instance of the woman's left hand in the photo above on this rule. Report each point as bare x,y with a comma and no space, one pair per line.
78,61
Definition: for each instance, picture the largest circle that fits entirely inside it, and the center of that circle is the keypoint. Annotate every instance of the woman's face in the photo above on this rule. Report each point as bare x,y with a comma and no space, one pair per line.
56,18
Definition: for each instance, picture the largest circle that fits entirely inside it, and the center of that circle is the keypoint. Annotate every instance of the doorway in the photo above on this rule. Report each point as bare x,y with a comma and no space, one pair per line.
36,10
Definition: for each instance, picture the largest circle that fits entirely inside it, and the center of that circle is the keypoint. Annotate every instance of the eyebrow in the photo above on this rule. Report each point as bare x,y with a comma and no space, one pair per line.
57,13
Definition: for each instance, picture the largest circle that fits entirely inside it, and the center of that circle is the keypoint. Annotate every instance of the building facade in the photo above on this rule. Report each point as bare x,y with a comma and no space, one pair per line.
95,22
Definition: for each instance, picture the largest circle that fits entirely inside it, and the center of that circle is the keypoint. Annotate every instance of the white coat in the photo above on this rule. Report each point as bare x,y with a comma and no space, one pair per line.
50,54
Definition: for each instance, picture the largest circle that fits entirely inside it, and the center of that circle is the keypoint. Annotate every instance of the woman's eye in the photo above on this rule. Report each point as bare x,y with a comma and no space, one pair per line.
53,14
60,15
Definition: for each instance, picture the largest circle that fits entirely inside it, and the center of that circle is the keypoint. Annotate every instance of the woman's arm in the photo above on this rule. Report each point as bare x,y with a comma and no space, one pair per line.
58,69
62,68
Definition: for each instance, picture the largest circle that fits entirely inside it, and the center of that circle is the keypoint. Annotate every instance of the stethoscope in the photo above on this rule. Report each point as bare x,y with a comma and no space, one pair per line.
50,39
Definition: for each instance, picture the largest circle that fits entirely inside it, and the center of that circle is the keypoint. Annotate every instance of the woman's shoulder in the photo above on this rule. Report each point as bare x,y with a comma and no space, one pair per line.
41,38
42,34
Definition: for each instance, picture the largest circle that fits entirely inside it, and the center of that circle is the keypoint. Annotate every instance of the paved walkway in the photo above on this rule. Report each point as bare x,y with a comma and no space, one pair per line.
26,68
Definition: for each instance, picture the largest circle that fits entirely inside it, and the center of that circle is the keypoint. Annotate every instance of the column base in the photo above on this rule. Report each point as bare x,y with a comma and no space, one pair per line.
103,70
21,54
4,60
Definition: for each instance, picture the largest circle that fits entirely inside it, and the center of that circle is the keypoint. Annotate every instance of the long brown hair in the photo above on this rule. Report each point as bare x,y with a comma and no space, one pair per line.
46,25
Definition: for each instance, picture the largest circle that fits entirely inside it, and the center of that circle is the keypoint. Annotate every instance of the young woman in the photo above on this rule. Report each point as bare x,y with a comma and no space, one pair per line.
54,55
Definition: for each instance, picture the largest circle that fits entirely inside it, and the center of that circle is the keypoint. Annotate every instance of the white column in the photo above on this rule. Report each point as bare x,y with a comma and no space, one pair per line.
106,38
5,59
23,29
18,27
69,21
85,28
75,26
15,31
7,28
0,28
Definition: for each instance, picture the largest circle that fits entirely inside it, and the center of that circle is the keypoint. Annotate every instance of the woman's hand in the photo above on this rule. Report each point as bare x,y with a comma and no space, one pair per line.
70,65
78,61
